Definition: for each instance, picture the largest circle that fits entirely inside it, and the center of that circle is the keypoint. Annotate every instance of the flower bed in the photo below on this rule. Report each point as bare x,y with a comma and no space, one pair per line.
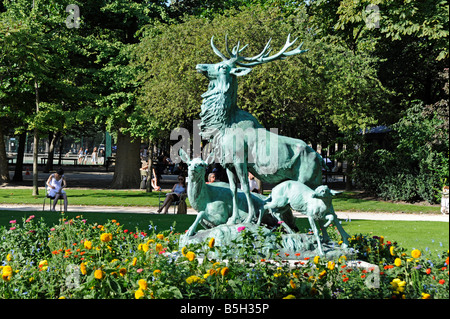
76,259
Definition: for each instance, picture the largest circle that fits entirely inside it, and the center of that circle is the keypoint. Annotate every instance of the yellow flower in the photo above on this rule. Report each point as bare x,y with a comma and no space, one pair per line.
159,247
122,271
316,259
392,251
211,272
416,253
142,284
331,265
381,239
398,285
184,251
193,279
398,262
106,237
43,265
143,247
133,263
292,283
138,294
190,255
151,241
426,296
160,236
88,244
7,273
224,271
289,297
211,242
342,259
9,257
98,274
322,274
62,297
83,268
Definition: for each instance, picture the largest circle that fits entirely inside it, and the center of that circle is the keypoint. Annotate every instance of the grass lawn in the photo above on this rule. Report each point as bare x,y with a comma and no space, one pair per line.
433,236
347,201
85,197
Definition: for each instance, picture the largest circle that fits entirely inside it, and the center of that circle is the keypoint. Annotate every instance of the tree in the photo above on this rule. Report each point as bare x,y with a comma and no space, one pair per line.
36,62
117,104
329,84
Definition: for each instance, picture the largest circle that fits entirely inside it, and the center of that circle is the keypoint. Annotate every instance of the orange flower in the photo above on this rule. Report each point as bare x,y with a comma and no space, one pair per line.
224,271
190,255
416,253
98,274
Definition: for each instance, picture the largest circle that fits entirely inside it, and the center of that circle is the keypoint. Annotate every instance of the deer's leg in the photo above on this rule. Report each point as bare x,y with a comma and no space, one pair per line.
316,234
341,230
193,228
242,173
325,236
233,187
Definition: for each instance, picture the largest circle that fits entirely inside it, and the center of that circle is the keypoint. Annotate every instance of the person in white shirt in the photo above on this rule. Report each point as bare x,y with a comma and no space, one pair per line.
56,182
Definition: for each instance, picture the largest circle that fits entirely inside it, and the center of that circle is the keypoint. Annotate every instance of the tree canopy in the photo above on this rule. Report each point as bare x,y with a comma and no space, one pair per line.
128,66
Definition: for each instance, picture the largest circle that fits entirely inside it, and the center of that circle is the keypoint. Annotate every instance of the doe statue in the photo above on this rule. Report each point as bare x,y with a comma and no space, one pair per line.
241,145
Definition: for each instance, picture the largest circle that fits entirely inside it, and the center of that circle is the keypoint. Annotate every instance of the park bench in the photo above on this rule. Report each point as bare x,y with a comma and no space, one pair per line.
74,160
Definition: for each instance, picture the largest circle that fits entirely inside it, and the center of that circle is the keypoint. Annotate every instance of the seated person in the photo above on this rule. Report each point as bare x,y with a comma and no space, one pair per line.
253,183
56,182
211,178
177,193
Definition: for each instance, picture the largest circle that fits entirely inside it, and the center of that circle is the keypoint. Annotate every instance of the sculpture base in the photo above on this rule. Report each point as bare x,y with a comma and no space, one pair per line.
235,240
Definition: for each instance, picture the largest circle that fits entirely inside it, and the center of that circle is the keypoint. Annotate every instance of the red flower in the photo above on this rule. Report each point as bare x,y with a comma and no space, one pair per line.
442,281
428,271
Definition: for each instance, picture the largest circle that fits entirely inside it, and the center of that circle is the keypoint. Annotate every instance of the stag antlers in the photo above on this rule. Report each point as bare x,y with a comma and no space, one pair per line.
261,58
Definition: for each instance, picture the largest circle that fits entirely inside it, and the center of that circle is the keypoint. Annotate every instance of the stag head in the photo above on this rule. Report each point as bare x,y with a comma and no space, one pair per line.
238,65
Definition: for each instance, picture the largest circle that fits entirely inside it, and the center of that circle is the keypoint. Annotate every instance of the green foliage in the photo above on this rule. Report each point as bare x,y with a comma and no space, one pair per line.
329,83
417,168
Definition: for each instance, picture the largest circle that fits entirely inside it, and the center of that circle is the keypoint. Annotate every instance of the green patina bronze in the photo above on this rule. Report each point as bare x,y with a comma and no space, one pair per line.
241,145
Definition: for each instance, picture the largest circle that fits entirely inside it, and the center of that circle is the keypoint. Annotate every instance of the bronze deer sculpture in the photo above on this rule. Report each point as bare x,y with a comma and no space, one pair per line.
239,141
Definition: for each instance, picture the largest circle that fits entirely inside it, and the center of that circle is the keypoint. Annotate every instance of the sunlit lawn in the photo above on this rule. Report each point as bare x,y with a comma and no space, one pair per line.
344,202
409,234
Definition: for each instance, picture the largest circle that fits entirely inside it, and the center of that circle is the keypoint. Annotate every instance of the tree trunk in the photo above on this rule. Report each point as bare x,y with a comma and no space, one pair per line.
150,167
51,150
4,172
36,145
61,148
348,181
126,171
18,177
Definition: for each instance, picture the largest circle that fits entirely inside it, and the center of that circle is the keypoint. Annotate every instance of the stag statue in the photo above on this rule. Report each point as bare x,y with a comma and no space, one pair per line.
239,141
